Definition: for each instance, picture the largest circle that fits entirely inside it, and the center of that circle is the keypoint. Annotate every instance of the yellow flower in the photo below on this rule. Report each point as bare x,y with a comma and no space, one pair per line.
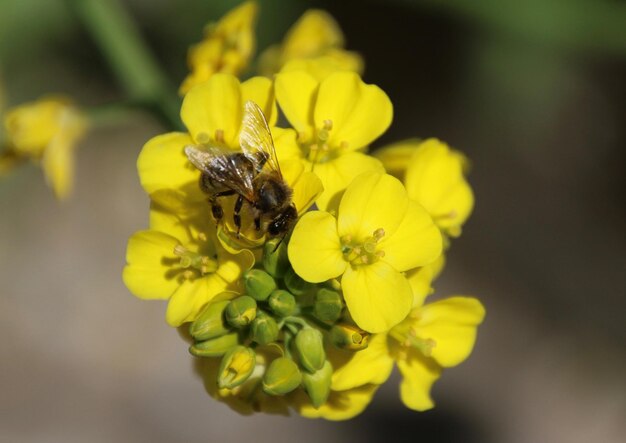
314,43
335,120
46,131
227,47
377,235
213,113
178,259
434,176
434,336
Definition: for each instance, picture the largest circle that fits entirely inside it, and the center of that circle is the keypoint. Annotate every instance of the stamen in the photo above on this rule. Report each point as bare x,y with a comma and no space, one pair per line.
449,215
365,252
219,135
190,260
378,234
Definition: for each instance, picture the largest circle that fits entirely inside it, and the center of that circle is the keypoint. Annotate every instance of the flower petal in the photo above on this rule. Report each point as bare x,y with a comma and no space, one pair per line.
286,146
418,375
435,179
338,173
260,91
314,249
452,324
377,296
164,169
372,201
416,242
148,274
341,405
421,279
306,185
370,365
215,105
359,113
397,156
58,165
187,302
295,93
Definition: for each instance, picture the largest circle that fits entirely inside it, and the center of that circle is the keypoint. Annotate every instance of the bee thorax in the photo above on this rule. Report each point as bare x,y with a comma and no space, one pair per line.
272,195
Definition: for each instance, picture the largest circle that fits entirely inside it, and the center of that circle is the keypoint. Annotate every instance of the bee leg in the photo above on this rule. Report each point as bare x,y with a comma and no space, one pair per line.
236,216
216,208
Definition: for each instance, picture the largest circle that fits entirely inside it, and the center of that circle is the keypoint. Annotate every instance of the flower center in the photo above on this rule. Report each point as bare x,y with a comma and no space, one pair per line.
406,335
318,150
195,264
365,252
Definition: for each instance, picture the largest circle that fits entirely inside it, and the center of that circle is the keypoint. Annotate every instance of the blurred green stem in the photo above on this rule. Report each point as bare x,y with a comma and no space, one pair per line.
117,35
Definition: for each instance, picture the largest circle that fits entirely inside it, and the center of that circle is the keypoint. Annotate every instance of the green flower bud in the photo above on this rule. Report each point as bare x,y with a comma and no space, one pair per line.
210,323
216,346
236,366
309,344
259,284
349,337
281,377
264,329
241,311
295,284
275,259
327,305
317,385
282,303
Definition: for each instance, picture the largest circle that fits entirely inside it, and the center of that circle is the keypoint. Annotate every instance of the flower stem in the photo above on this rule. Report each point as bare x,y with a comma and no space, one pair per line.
115,32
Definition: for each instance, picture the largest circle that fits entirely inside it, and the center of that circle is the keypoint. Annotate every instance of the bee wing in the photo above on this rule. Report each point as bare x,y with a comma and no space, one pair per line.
222,166
255,137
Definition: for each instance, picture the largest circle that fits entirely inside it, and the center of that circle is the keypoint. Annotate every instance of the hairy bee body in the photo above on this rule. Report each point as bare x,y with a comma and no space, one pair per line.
253,175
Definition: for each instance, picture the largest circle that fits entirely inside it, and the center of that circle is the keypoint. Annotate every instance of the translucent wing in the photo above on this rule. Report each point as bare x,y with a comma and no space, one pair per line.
255,138
227,168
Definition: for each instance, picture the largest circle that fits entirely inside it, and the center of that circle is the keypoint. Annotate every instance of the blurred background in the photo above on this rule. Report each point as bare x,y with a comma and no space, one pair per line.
534,93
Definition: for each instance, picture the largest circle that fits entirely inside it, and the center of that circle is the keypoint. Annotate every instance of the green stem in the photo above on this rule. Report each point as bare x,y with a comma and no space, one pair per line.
117,35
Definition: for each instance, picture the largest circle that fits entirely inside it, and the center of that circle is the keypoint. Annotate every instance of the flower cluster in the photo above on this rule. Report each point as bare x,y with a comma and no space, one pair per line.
300,265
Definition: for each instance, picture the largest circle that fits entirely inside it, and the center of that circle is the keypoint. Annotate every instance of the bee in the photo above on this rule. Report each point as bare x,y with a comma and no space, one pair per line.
253,175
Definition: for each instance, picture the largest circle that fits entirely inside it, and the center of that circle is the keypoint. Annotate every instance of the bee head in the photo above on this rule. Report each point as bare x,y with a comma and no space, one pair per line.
283,222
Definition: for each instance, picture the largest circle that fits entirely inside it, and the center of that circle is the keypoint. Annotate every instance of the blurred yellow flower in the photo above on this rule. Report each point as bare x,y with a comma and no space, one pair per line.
335,120
178,259
434,176
227,46
433,336
378,235
46,131
314,43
